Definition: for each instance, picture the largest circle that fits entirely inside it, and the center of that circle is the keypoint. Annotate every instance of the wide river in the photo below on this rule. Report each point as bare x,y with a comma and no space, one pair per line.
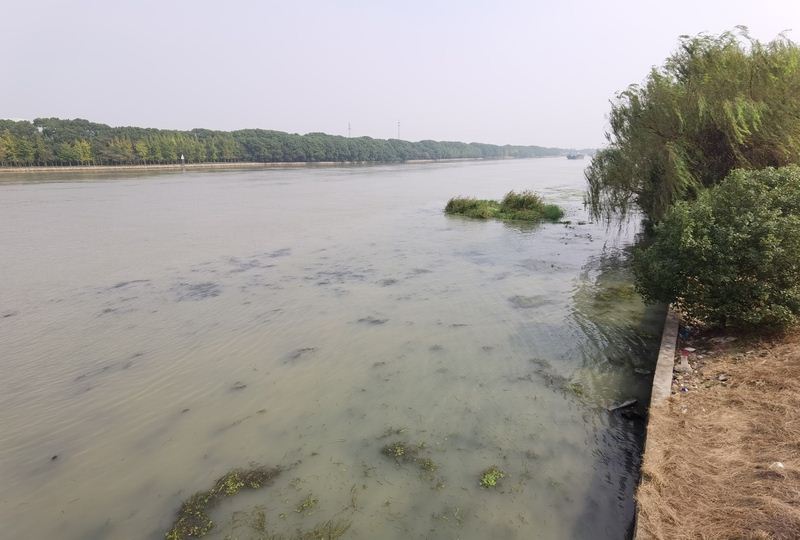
159,330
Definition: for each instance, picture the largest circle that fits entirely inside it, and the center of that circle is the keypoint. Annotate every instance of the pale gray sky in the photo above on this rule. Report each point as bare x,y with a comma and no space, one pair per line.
519,72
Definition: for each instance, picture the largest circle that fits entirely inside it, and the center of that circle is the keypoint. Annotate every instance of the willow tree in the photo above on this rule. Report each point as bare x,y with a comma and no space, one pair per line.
718,103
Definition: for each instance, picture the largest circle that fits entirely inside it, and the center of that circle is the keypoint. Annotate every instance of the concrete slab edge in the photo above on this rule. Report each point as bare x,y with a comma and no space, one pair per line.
662,381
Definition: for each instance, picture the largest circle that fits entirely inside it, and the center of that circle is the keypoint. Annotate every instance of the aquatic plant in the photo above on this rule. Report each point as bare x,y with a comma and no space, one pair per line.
404,453
524,206
491,476
307,504
193,520
398,450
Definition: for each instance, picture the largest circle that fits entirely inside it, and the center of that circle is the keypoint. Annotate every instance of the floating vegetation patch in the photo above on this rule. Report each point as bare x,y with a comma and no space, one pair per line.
524,206
404,453
193,520
491,476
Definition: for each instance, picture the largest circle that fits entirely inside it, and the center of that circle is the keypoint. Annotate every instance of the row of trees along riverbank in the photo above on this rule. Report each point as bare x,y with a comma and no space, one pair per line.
706,148
52,141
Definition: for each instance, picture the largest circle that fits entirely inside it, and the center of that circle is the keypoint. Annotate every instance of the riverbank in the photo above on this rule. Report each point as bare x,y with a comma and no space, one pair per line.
722,457
218,166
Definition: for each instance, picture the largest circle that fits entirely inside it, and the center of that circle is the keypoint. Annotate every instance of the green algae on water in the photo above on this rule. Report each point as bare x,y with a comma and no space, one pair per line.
491,476
193,520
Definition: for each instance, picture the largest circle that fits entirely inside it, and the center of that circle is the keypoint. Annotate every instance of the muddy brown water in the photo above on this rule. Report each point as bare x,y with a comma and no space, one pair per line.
158,330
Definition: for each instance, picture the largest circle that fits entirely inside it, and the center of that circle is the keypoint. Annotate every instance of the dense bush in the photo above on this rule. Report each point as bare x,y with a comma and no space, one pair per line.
732,256
523,206
719,103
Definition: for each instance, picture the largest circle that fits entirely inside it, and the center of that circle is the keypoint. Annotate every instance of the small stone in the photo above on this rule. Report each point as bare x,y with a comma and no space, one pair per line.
776,466
722,377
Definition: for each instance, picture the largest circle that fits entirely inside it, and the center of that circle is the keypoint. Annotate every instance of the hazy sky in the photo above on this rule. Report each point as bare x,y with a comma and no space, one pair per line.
502,72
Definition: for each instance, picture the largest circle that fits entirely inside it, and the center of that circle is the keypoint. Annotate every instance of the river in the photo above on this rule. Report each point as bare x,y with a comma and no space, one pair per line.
158,330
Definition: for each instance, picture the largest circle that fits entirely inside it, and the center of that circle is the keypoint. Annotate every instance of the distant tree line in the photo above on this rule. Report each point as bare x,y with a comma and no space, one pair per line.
52,141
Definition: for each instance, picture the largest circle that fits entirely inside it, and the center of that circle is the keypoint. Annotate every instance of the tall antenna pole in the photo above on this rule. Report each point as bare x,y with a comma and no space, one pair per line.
348,130
398,129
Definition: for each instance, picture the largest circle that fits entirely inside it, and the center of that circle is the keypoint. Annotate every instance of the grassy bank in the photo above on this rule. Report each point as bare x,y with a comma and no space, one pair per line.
723,453
524,206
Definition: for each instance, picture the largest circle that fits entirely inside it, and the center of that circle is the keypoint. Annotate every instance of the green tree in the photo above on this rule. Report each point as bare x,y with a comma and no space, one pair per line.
718,103
83,151
66,153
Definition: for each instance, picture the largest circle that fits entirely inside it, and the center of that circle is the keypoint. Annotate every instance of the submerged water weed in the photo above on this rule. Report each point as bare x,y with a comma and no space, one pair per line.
404,453
575,388
491,476
193,520
307,504
253,525
397,450
523,206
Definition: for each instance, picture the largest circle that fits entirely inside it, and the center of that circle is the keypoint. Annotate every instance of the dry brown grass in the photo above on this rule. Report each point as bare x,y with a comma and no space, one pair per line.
706,472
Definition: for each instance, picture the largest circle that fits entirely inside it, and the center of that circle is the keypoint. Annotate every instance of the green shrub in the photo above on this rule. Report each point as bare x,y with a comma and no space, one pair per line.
732,256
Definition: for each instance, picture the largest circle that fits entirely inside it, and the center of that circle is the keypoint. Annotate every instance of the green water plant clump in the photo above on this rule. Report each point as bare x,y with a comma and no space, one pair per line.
405,453
193,520
523,206
491,476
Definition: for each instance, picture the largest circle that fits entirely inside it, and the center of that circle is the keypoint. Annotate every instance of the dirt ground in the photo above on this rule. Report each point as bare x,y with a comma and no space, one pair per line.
723,454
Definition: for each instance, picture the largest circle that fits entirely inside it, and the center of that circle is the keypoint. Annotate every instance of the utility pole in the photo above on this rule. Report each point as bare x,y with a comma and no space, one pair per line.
348,130
398,129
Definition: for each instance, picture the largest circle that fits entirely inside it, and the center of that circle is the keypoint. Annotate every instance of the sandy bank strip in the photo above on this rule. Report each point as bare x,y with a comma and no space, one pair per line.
237,165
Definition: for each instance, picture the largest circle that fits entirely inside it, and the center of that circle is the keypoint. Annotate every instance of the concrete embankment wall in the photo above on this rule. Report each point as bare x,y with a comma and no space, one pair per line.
662,382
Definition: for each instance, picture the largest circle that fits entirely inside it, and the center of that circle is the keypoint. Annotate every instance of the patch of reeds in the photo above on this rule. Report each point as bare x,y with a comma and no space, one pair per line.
523,206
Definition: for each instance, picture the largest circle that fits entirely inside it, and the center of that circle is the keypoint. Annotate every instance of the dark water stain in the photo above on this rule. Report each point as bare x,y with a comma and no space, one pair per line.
298,353
238,385
118,365
197,291
387,282
123,284
9,314
529,302
435,348
540,266
243,265
372,321
283,252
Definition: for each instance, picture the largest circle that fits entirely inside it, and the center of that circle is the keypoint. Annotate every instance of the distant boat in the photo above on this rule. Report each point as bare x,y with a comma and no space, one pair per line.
574,156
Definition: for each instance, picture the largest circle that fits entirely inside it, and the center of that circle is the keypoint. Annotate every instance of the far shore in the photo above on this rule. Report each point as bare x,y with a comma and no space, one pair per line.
226,165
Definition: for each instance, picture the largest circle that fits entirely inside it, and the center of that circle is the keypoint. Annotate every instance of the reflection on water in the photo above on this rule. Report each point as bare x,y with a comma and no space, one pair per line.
158,331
